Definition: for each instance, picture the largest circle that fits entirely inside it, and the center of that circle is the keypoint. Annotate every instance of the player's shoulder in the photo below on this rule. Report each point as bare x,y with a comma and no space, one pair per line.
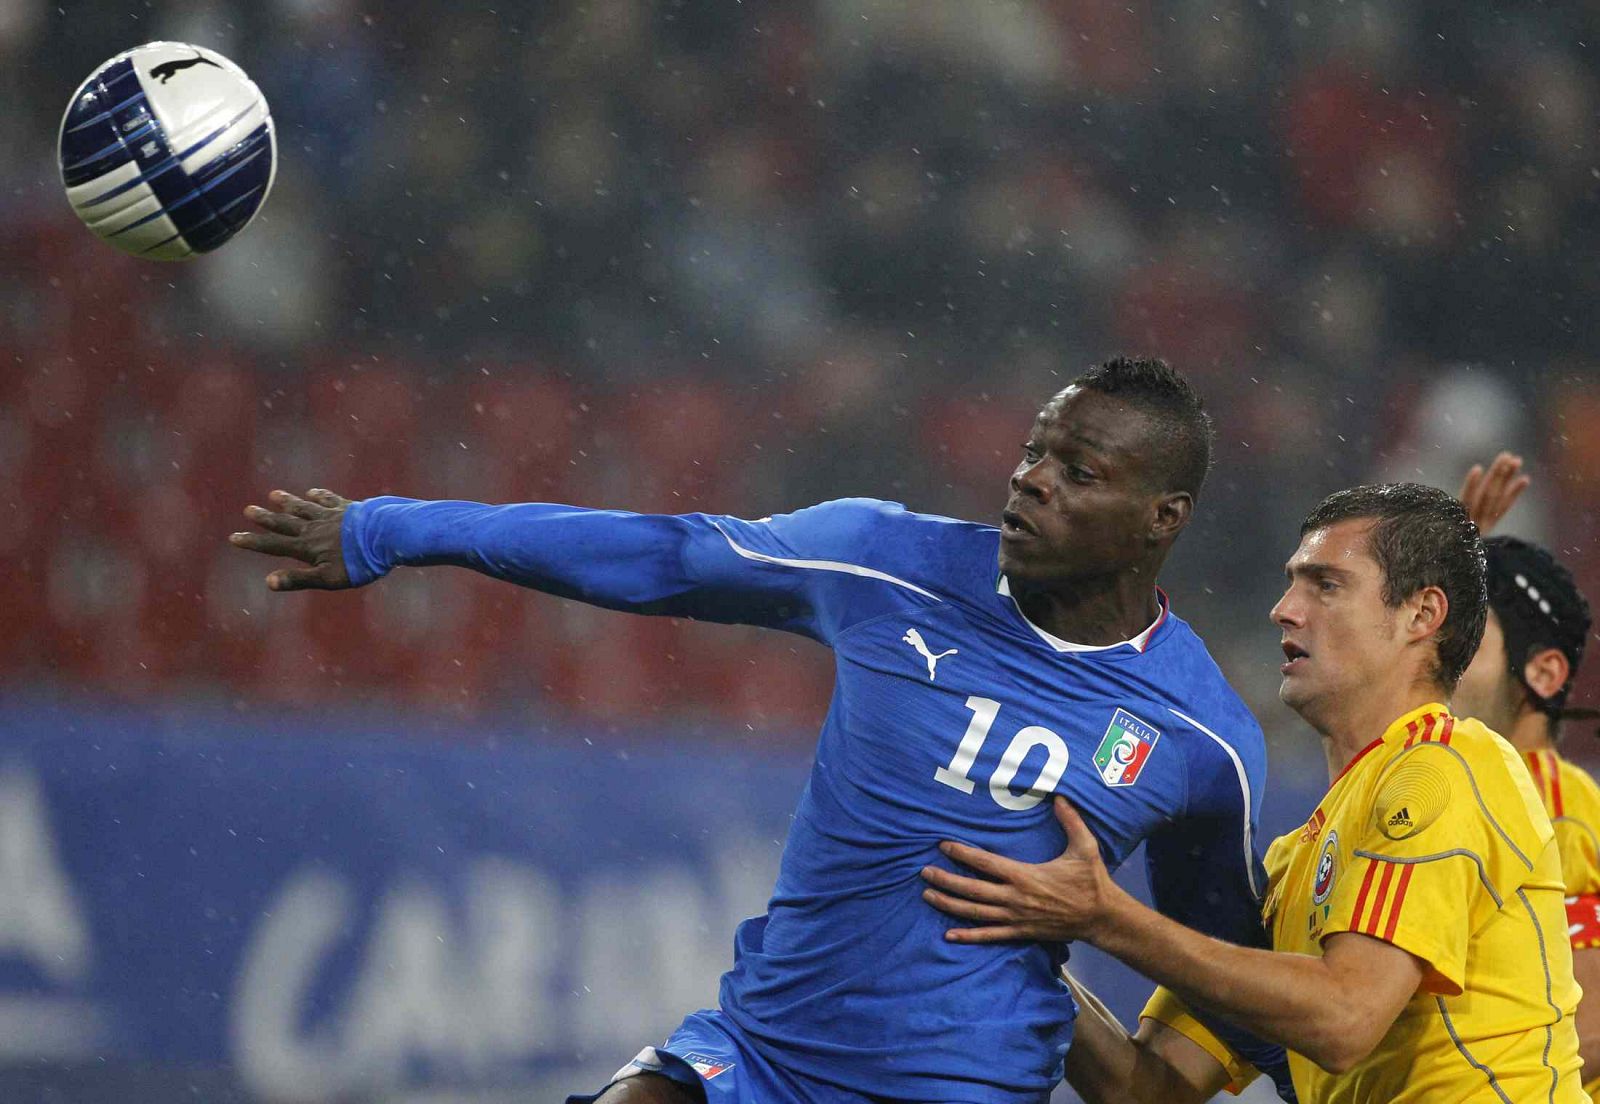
1201,695
1579,789
1464,750
867,517
1456,770
863,525
939,556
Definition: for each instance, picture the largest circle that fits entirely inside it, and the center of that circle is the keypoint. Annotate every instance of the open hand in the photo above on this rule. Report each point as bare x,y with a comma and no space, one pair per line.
309,529
1487,495
1065,898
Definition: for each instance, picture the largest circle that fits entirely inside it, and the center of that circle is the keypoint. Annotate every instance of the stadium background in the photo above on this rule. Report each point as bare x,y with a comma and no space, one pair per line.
443,840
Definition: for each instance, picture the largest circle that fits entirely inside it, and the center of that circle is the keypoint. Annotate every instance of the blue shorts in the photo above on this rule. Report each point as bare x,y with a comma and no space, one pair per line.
708,1051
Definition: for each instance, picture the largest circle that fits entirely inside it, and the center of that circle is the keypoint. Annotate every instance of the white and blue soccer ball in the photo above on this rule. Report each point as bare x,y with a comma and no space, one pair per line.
167,151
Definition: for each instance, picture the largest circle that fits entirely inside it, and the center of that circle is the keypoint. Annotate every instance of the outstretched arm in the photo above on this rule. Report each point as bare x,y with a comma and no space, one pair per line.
1106,1065
807,572
1333,1009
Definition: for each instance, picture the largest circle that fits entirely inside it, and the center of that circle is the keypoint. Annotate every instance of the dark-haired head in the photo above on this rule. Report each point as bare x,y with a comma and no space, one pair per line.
1533,644
1421,537
1182,431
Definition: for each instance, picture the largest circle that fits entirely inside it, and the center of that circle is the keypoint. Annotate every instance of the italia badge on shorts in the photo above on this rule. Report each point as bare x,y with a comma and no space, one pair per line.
1327,863
707,1066
1124,749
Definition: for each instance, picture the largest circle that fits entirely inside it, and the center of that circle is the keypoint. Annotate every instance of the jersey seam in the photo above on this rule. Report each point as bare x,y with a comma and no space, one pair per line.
1244,788
1483,873
1549,995
1566,819
842,567
1450,1027
1476,793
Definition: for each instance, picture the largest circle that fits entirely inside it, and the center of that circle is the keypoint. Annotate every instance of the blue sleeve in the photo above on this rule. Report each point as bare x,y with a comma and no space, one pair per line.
811,572
1205,872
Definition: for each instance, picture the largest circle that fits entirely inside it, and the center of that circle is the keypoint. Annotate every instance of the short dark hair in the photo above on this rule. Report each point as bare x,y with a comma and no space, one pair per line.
1423,537
1172,404
1539,606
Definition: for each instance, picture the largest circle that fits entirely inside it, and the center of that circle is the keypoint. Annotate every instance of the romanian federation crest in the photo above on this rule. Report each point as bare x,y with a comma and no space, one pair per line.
1327,868
1124,749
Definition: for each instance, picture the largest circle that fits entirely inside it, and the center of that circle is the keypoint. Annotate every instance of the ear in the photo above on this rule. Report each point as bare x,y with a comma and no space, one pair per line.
1173,512
1546,672
1428,608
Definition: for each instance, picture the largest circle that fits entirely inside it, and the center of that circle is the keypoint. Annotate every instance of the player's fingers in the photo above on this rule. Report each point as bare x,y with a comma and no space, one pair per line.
1003,933
1514,492
973,889
297,506
299,578
1469,486
270,544
964,909
327,498
271,520
976,858
1501,471
1080,841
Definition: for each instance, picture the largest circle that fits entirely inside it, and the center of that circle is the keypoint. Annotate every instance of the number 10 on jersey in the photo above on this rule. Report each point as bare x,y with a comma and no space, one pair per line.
984,711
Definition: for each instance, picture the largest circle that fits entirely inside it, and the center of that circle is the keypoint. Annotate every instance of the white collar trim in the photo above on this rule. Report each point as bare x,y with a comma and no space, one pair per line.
1135,642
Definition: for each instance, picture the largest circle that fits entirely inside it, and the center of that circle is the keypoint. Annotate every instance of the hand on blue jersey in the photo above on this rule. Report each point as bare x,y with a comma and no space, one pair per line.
1065,898
310,529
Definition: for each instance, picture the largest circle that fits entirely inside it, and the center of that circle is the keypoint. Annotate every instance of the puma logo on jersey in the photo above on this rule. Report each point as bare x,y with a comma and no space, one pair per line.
914,638
1401,819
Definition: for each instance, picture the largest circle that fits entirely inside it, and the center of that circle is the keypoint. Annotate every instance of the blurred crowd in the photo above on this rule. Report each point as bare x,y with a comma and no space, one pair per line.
742,256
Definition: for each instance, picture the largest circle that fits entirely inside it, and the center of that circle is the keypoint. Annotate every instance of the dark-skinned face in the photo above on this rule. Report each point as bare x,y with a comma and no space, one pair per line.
1082,503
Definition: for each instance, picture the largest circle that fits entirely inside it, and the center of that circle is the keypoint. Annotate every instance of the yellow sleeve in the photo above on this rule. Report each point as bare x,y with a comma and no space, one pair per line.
1165,1008
1579,846
1422,867
1580,862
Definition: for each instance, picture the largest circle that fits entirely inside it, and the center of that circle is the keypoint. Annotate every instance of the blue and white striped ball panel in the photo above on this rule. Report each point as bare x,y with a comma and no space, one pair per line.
167,151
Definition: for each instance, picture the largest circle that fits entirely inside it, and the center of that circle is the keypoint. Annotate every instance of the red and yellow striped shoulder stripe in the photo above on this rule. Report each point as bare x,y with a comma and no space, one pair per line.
1383,889
1313,827
1430,727
1546,771
1377,911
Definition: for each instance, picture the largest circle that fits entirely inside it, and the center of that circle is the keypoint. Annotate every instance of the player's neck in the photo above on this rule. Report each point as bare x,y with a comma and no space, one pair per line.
1096,612
1363,718
1532,732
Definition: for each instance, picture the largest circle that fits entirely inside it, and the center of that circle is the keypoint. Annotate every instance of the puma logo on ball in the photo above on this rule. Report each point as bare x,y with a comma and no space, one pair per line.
169,69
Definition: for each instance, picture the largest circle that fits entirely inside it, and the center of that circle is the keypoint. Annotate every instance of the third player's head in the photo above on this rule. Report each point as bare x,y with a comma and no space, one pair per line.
1385,600
1517,684
1108,478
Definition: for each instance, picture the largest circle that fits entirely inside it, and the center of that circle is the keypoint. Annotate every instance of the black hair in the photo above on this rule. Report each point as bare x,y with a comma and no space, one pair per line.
1539,606
1423,537
1174,409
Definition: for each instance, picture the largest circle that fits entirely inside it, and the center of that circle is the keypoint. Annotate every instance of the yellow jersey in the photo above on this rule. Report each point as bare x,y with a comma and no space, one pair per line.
1573,801
1432,839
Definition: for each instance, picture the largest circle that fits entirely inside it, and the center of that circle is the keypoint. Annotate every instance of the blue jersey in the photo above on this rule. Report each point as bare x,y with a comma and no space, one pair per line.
953,717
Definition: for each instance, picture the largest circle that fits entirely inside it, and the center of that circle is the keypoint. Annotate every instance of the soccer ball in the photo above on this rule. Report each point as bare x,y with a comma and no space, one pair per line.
167,151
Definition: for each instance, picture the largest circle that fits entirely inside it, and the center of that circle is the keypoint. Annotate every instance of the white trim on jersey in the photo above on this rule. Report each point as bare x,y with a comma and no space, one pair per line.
824,565
1244,786
1135,642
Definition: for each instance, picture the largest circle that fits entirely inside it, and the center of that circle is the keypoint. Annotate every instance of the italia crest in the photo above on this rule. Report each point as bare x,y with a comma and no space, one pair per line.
1124,749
